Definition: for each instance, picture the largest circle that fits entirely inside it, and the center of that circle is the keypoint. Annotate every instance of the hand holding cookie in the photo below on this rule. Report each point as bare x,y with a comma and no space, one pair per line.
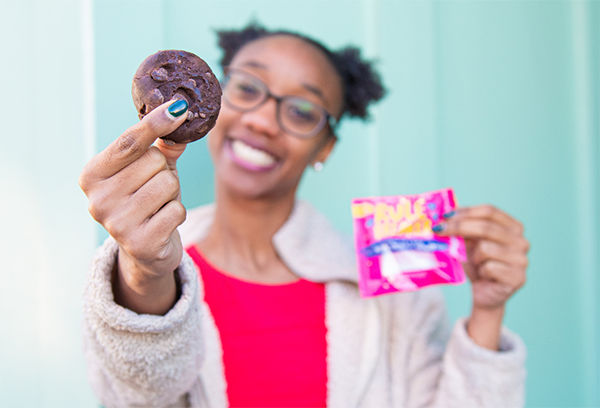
133,192
132,185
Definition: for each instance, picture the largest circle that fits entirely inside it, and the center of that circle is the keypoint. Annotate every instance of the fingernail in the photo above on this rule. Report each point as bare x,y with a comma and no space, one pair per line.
178,108
438,228
450,214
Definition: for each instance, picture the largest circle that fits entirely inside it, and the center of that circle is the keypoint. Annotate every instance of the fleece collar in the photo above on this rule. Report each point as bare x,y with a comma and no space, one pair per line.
307,243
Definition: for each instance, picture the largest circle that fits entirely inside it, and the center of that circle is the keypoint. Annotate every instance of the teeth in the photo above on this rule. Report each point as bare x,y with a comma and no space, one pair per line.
251,155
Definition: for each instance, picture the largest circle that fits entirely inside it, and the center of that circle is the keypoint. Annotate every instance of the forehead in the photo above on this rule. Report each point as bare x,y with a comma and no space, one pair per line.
288,61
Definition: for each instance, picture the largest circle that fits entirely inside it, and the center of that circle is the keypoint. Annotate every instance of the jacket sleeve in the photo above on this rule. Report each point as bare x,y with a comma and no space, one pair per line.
140,360
447,369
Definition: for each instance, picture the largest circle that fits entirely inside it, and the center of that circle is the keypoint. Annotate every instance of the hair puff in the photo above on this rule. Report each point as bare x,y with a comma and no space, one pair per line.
362,83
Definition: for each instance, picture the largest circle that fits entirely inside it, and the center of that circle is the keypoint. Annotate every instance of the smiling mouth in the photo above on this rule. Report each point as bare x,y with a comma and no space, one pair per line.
251,155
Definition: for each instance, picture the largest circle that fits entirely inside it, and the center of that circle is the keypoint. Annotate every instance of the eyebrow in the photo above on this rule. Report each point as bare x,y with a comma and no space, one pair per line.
254,64
316,91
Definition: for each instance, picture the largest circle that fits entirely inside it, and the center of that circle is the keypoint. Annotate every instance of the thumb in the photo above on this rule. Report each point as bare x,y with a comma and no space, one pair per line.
164,119
175,111
172,152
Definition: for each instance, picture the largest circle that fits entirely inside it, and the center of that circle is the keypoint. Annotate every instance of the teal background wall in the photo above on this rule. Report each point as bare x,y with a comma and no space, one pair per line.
46,235
499,99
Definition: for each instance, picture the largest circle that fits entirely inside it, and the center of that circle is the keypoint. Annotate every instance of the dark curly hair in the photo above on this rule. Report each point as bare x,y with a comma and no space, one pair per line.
361,82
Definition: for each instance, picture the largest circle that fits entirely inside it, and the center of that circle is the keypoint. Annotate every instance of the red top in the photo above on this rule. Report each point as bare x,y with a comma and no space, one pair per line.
273,338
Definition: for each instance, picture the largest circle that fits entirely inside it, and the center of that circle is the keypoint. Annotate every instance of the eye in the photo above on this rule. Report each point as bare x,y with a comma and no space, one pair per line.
247,90
301,111
244,89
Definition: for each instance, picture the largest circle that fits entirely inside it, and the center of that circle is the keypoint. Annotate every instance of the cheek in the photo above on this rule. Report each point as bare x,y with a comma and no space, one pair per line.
306,151
211,142
226,119
321,142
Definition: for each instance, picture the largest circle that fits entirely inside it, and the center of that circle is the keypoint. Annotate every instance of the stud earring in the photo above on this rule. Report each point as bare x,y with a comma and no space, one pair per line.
318,166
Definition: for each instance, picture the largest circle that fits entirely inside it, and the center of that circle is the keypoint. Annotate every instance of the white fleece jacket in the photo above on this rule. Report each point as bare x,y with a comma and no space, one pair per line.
390,351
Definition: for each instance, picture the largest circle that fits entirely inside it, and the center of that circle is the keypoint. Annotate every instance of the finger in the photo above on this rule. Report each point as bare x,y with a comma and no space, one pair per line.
134,142
492,213
155,193
502,273
108,198
490,295
476,228
168,218
172,152
136,174
162,227
470,271
142,205
485,251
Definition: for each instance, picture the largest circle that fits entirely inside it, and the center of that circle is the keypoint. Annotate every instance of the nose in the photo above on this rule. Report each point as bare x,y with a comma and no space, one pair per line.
263,119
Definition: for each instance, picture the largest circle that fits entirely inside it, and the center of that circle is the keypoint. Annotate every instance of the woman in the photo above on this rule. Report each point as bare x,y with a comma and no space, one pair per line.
275,318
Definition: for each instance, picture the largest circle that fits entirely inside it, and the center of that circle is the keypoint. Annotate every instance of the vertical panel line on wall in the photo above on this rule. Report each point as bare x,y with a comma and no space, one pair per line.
88,78
371,50
587,205
436,58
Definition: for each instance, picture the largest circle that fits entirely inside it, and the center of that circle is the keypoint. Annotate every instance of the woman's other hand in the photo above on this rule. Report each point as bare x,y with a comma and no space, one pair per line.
134,192
496,265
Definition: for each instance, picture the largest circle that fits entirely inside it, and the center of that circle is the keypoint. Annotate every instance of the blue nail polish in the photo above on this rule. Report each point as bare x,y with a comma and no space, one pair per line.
438,228
178,108
450,214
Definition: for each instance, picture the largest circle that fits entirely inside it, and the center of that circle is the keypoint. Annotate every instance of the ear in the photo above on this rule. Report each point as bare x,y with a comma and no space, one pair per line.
325,150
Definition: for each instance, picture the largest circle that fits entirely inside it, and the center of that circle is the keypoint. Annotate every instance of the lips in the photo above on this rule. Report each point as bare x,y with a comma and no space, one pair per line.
251,157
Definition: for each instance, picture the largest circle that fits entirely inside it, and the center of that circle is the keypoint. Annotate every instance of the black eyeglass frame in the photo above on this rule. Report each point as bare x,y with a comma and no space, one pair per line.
329,119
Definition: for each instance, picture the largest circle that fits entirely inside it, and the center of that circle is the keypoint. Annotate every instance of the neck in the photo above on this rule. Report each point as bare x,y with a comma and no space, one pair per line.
253,221
240,241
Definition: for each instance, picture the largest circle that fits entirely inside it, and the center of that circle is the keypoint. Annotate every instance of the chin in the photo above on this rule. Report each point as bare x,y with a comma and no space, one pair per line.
245,189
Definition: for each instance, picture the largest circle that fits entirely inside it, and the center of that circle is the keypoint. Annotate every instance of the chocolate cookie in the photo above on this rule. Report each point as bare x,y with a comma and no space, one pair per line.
175,74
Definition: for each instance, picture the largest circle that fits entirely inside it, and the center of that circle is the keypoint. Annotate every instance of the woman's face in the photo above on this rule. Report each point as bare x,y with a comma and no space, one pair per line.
253,156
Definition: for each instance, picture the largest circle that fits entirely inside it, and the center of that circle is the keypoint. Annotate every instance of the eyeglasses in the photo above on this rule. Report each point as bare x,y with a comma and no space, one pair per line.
297,116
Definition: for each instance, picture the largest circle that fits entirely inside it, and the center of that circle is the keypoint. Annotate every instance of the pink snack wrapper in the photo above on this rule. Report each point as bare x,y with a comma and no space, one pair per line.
396,249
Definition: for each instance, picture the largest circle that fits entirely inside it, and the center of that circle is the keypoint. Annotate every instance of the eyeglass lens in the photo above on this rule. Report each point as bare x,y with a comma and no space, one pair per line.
295,115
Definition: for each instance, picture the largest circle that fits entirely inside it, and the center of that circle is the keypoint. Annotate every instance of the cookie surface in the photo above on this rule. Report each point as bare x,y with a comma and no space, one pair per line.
175,74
